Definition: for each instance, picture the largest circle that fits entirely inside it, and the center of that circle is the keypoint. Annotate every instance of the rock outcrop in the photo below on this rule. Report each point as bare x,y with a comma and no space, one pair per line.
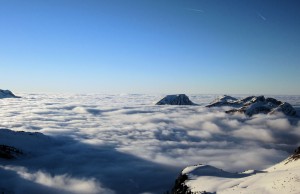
254,105
15,144
9,152
180,187
191,172
295,156
180,99
7,94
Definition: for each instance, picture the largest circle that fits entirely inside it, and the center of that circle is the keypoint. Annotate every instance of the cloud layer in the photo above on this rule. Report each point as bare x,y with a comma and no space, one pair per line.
125,144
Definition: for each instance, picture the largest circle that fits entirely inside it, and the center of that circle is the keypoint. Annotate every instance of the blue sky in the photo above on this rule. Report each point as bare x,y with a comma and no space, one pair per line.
150,46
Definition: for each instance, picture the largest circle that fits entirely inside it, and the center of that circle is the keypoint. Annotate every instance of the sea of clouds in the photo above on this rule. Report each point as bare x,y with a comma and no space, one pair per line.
125,144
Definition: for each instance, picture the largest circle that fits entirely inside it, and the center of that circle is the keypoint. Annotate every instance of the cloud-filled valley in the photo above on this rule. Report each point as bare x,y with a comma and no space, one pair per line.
126,144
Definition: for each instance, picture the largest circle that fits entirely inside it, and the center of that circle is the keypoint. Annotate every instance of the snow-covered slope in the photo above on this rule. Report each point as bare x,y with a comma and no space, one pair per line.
224,101
7,94
254,105
283,177
180,99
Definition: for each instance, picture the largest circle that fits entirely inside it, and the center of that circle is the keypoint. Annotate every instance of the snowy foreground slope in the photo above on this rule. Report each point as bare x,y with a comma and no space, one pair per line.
283,177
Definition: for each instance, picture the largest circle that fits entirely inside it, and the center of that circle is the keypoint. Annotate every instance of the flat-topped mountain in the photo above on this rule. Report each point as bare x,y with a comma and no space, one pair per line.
7,94
180,99
254,105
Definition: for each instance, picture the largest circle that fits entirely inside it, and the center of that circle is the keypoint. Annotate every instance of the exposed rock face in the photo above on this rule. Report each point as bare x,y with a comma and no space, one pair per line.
180,187
9,152
286,109
295,156
7,94
15,144
254,105
180,99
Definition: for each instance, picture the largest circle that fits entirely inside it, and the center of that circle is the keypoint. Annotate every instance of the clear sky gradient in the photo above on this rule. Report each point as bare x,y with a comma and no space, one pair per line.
150,46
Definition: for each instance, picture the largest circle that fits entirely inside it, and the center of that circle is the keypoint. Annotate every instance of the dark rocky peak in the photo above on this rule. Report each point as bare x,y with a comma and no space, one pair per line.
247,99
273,101
265,108
7,94
180,99
295,156
256,99
256,108
226,98
285,108
180,187
255,105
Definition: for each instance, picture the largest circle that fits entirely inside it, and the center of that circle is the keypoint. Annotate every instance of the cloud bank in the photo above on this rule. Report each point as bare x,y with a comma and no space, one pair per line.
125,144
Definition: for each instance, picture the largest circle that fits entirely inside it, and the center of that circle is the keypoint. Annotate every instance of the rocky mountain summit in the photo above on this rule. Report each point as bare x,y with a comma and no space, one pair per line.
254,105
204,179
180,99
7,94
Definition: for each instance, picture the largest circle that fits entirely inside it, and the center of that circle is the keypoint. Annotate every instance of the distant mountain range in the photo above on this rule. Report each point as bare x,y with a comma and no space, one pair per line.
254,105
249,106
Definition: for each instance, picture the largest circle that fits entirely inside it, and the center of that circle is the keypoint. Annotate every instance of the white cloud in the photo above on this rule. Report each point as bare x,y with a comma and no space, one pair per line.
254,134
109,141
211,127
64,182
281,124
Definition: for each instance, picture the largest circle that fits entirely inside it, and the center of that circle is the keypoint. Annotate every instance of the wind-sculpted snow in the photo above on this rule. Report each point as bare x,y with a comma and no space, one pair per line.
126,144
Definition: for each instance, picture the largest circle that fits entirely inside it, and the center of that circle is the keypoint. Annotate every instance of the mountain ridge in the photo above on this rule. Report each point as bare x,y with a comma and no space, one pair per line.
252,105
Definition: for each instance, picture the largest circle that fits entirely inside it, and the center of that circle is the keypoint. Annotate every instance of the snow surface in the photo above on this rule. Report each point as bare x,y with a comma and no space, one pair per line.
126,144
225,98
280,178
